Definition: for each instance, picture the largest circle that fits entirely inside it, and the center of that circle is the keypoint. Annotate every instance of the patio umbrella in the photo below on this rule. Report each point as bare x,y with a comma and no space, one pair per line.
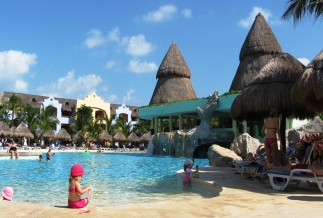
63,135
119,137
133,138
145,137
49,134
4,129
78,137
105,137
271,90
308,90
23,131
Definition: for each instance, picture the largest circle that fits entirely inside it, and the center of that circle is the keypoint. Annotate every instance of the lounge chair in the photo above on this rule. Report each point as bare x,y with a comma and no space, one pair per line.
246,167
294,176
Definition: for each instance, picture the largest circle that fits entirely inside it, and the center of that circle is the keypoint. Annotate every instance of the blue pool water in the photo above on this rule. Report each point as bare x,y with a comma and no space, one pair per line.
117,179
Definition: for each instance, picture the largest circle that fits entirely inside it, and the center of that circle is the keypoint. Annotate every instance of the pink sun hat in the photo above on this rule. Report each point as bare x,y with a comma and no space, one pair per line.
187,162
7,193
77,170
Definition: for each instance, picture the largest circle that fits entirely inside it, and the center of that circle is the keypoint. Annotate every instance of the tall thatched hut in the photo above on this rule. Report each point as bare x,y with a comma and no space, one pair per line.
308,90
258,48
173,79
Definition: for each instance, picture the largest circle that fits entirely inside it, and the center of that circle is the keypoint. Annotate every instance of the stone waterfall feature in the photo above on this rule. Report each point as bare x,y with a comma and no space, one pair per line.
182,143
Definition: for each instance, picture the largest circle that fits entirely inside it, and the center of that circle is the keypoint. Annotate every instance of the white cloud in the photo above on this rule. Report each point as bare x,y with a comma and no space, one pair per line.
142,67
110,64
163,13
187,13
114,36
247,22
94,38
304,61
138,46
128,96
113,98
20,86
14,64
70,86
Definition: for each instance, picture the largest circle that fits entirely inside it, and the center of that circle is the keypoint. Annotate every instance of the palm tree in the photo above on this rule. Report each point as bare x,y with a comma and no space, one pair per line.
82,120
297,9
45,120
141,127
30,117
121,126
13,106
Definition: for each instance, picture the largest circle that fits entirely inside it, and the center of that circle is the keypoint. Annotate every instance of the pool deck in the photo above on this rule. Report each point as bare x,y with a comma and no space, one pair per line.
235,195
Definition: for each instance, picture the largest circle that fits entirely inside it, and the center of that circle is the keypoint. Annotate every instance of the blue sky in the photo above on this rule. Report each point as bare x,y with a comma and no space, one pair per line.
71,48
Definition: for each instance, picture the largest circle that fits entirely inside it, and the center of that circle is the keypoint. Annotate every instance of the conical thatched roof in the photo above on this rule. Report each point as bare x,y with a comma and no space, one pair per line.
173,79
133,138
105,137
119,137
308,90
4,129
63,135
23,131
271,90
49,134
145,137
257,49
78,137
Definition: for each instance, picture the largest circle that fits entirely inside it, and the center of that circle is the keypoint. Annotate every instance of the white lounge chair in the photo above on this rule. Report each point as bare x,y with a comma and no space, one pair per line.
294,176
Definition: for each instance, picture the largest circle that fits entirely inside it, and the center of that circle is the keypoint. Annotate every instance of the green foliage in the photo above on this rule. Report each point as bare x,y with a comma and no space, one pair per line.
46,122
83,120
298,9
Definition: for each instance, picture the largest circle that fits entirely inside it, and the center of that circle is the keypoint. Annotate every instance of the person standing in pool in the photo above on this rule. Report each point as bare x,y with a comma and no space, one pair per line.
75,190
49,154
188,173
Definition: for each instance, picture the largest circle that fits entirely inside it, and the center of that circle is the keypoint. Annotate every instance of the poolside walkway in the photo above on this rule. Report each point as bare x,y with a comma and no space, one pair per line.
235,195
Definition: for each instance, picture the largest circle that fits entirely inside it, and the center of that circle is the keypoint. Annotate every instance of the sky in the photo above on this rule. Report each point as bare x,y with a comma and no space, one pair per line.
72,48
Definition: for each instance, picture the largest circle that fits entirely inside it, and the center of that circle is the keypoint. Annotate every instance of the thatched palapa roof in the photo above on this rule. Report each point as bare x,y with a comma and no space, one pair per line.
105,137
23,131
145,137
49,134
133,138
63,135
271,90
78,137
4,129
257,49
119,137
308,90
173,79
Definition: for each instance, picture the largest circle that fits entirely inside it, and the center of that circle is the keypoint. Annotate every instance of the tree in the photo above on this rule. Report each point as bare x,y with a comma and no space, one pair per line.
45,120
30,116
121,126
13,107
297,9
141,127
82,120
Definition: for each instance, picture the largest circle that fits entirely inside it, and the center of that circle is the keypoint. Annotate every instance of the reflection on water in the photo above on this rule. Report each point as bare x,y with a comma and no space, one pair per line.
117,179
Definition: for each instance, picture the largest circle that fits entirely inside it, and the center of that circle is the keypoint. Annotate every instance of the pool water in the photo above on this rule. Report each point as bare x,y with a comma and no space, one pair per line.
117,179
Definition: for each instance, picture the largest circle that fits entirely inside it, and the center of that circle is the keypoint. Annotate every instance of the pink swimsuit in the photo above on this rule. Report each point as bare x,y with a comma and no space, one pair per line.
76,204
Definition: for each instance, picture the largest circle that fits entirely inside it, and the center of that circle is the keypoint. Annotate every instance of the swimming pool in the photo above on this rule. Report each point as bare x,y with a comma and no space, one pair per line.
117,179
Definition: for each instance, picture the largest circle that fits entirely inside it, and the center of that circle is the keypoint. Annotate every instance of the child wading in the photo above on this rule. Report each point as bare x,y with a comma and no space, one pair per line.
188,173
